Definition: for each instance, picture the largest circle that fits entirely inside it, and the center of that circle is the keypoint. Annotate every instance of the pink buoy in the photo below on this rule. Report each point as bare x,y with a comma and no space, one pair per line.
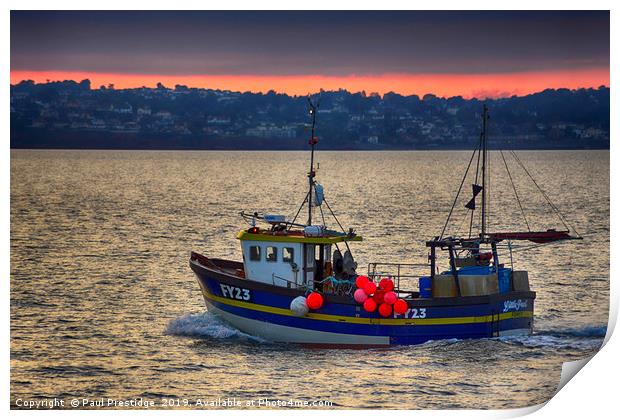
314,300
370,288
360,296
390,298
400,307
361,281
386,284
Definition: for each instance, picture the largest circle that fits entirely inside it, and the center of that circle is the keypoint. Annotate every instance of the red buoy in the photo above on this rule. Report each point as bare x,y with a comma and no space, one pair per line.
400,306
386,284
361,281
379,297
370,288
370,305
314,300
385,310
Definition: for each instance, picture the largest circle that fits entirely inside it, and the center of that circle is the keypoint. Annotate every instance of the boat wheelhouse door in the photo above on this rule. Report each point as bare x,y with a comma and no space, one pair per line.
324,267
309,264
318,262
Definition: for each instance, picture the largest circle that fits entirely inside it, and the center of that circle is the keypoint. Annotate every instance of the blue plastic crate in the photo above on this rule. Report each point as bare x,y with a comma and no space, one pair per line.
426,287
503,279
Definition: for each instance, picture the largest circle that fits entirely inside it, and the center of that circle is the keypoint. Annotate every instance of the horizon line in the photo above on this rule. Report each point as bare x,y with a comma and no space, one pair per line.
468,86
352,92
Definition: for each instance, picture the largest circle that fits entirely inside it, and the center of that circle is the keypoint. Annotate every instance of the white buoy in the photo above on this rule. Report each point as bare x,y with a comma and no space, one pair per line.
299,306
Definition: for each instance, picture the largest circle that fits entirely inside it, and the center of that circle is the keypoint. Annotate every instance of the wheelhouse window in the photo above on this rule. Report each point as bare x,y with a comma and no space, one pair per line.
255,253
272,254
288,255
310,249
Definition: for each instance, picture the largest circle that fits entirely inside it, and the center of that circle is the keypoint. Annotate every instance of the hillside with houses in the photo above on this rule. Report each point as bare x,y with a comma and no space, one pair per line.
73,114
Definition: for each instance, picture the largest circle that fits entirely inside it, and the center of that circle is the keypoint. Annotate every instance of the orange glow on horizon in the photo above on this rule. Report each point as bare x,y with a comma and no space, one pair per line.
467,85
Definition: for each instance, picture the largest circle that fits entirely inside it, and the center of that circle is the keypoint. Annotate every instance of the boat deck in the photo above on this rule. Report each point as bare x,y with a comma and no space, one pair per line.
227,270
228,267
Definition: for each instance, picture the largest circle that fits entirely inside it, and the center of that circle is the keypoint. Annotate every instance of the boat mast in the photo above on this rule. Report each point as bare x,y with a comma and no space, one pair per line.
311,174
485,116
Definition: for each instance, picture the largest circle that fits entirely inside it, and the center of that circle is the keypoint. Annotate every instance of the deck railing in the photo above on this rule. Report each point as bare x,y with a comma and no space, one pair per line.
289,284
397,272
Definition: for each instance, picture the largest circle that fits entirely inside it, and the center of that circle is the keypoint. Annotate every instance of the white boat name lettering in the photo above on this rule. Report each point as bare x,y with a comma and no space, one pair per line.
515,305
415,313
235,292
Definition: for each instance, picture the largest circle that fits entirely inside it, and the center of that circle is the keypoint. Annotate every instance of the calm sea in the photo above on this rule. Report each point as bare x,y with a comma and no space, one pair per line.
104,305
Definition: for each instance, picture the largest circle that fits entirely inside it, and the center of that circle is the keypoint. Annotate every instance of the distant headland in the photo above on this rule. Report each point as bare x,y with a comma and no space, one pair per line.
72,115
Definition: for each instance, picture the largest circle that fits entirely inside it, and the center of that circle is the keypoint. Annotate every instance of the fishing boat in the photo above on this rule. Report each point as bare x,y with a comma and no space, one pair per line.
299,282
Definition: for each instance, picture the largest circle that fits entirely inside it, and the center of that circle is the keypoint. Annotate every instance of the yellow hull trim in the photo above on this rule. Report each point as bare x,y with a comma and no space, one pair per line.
376,321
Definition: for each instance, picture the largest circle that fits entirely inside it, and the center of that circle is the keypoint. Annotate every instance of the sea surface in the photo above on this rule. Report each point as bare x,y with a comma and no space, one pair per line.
104,305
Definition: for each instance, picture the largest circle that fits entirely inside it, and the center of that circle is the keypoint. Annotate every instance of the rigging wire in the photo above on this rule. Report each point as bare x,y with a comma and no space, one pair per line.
529,246
299,210
457,195
458,231
488,183
564,221
337,221
514,188
322,215
471,220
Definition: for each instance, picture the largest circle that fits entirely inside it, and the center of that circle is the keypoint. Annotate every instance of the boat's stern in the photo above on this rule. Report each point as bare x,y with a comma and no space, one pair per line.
515,314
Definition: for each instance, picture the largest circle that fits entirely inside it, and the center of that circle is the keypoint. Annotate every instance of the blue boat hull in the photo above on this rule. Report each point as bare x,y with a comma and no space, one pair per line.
263,310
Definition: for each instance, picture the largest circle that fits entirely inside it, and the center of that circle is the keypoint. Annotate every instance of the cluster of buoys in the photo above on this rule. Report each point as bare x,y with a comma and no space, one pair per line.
301,305
368,294
382,297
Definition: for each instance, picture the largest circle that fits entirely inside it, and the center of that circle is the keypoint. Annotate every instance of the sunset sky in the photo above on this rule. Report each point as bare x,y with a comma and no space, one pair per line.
473,54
